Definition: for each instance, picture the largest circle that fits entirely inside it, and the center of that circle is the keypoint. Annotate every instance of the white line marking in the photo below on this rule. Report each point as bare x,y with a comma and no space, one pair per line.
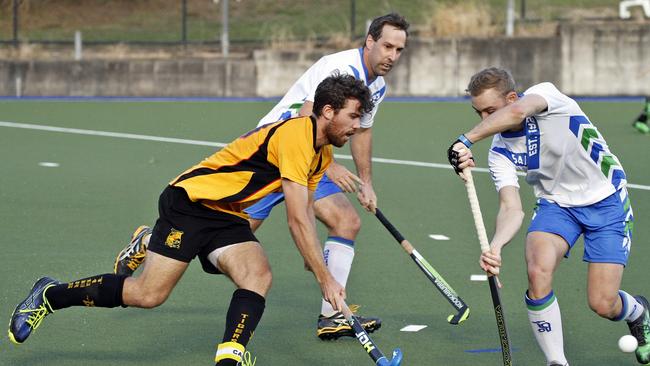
110,134
221,144
478,278
438,237
48,164
413,328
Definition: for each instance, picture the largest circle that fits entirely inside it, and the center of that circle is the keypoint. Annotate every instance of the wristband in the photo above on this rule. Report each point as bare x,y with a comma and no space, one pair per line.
465,141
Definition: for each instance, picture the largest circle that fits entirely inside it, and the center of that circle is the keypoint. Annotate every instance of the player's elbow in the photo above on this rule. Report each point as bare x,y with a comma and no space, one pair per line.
517,113
518,215
297,223
513,214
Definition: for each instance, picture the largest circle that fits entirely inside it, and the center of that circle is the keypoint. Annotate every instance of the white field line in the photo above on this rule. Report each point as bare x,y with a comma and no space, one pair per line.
221,144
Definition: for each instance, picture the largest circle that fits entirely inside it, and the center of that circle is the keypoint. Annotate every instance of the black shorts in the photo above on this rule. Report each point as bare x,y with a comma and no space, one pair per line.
186,229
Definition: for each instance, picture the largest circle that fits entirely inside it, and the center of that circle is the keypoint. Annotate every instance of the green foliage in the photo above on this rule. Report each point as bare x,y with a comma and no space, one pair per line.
250,20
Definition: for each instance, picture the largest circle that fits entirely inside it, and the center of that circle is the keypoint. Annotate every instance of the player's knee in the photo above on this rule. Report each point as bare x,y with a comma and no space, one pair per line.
540,279
150,299
256,277
604,306
348,223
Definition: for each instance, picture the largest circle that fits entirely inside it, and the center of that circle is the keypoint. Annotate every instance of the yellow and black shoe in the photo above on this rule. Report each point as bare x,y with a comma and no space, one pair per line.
133,255
29,314
336,326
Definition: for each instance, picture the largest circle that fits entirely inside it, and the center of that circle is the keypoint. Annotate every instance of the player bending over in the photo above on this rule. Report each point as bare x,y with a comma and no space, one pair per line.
201,214
580,190
384,43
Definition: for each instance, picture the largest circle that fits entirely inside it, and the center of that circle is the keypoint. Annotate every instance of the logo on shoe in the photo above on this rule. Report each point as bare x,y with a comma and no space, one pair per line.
174,239
340,321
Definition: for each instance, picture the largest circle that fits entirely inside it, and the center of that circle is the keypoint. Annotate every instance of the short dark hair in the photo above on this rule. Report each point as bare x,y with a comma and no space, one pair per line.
393,19
492,77
336,89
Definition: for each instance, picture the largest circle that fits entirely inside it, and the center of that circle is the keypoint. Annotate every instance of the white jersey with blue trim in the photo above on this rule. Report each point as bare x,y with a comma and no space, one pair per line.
565,158
345,62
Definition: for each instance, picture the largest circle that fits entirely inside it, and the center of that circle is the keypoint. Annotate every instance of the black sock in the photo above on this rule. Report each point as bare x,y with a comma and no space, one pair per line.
103,291
245,311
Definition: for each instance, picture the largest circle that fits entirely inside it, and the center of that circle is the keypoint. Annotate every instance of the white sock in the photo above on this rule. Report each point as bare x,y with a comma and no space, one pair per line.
632,309
338,253
546,322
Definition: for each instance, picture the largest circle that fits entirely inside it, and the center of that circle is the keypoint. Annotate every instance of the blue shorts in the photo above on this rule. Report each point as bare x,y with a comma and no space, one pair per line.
262,208
606,225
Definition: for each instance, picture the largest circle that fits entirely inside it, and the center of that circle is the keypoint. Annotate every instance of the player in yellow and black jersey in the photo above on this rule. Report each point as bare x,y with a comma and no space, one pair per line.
200,214
255,164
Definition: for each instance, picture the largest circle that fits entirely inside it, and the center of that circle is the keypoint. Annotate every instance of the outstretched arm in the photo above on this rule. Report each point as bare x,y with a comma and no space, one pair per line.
509,220
300,216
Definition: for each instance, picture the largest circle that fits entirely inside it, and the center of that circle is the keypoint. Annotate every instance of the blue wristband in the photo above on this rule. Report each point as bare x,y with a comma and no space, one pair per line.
465,141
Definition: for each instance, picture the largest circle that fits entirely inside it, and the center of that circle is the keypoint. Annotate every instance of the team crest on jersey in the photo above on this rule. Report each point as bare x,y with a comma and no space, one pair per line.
376,96
174,239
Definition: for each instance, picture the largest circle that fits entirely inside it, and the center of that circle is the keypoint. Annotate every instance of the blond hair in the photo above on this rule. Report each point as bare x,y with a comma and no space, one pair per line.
492,77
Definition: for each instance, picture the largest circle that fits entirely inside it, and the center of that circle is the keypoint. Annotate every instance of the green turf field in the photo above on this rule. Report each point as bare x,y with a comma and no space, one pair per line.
69,222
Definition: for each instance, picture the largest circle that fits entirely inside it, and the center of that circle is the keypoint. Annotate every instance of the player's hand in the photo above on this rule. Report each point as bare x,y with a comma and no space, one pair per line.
343,178
367,197
333,293
490,262
460,157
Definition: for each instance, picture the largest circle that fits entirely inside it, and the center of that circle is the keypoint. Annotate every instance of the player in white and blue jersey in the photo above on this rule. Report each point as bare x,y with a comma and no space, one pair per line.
580,187
383,46
385,41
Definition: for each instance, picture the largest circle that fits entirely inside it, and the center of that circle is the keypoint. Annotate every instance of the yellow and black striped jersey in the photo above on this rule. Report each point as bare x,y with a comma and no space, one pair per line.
254,164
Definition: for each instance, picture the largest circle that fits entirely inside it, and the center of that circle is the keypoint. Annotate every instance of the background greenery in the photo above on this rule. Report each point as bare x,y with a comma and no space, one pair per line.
270,20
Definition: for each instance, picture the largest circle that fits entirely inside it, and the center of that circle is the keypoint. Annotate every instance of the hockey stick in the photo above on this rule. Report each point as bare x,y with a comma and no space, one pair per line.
430,272
506,351
368,344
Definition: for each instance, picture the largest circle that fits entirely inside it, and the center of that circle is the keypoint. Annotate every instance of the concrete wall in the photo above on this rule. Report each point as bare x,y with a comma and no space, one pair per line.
179,77
583,59
606,58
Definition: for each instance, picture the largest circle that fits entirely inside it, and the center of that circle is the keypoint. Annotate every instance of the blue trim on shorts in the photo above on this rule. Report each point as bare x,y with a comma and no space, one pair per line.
262,208
603,225
326,188
340,240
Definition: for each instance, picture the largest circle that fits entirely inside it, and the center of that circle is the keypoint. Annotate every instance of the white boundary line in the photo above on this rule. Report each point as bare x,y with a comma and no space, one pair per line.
221,144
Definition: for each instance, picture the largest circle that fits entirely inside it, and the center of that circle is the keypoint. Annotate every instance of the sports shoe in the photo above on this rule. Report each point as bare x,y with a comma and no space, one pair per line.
640,329
29,314
132,256
336,326
642,127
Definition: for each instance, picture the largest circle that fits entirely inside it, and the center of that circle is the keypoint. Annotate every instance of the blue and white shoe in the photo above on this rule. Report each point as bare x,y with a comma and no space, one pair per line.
29,314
